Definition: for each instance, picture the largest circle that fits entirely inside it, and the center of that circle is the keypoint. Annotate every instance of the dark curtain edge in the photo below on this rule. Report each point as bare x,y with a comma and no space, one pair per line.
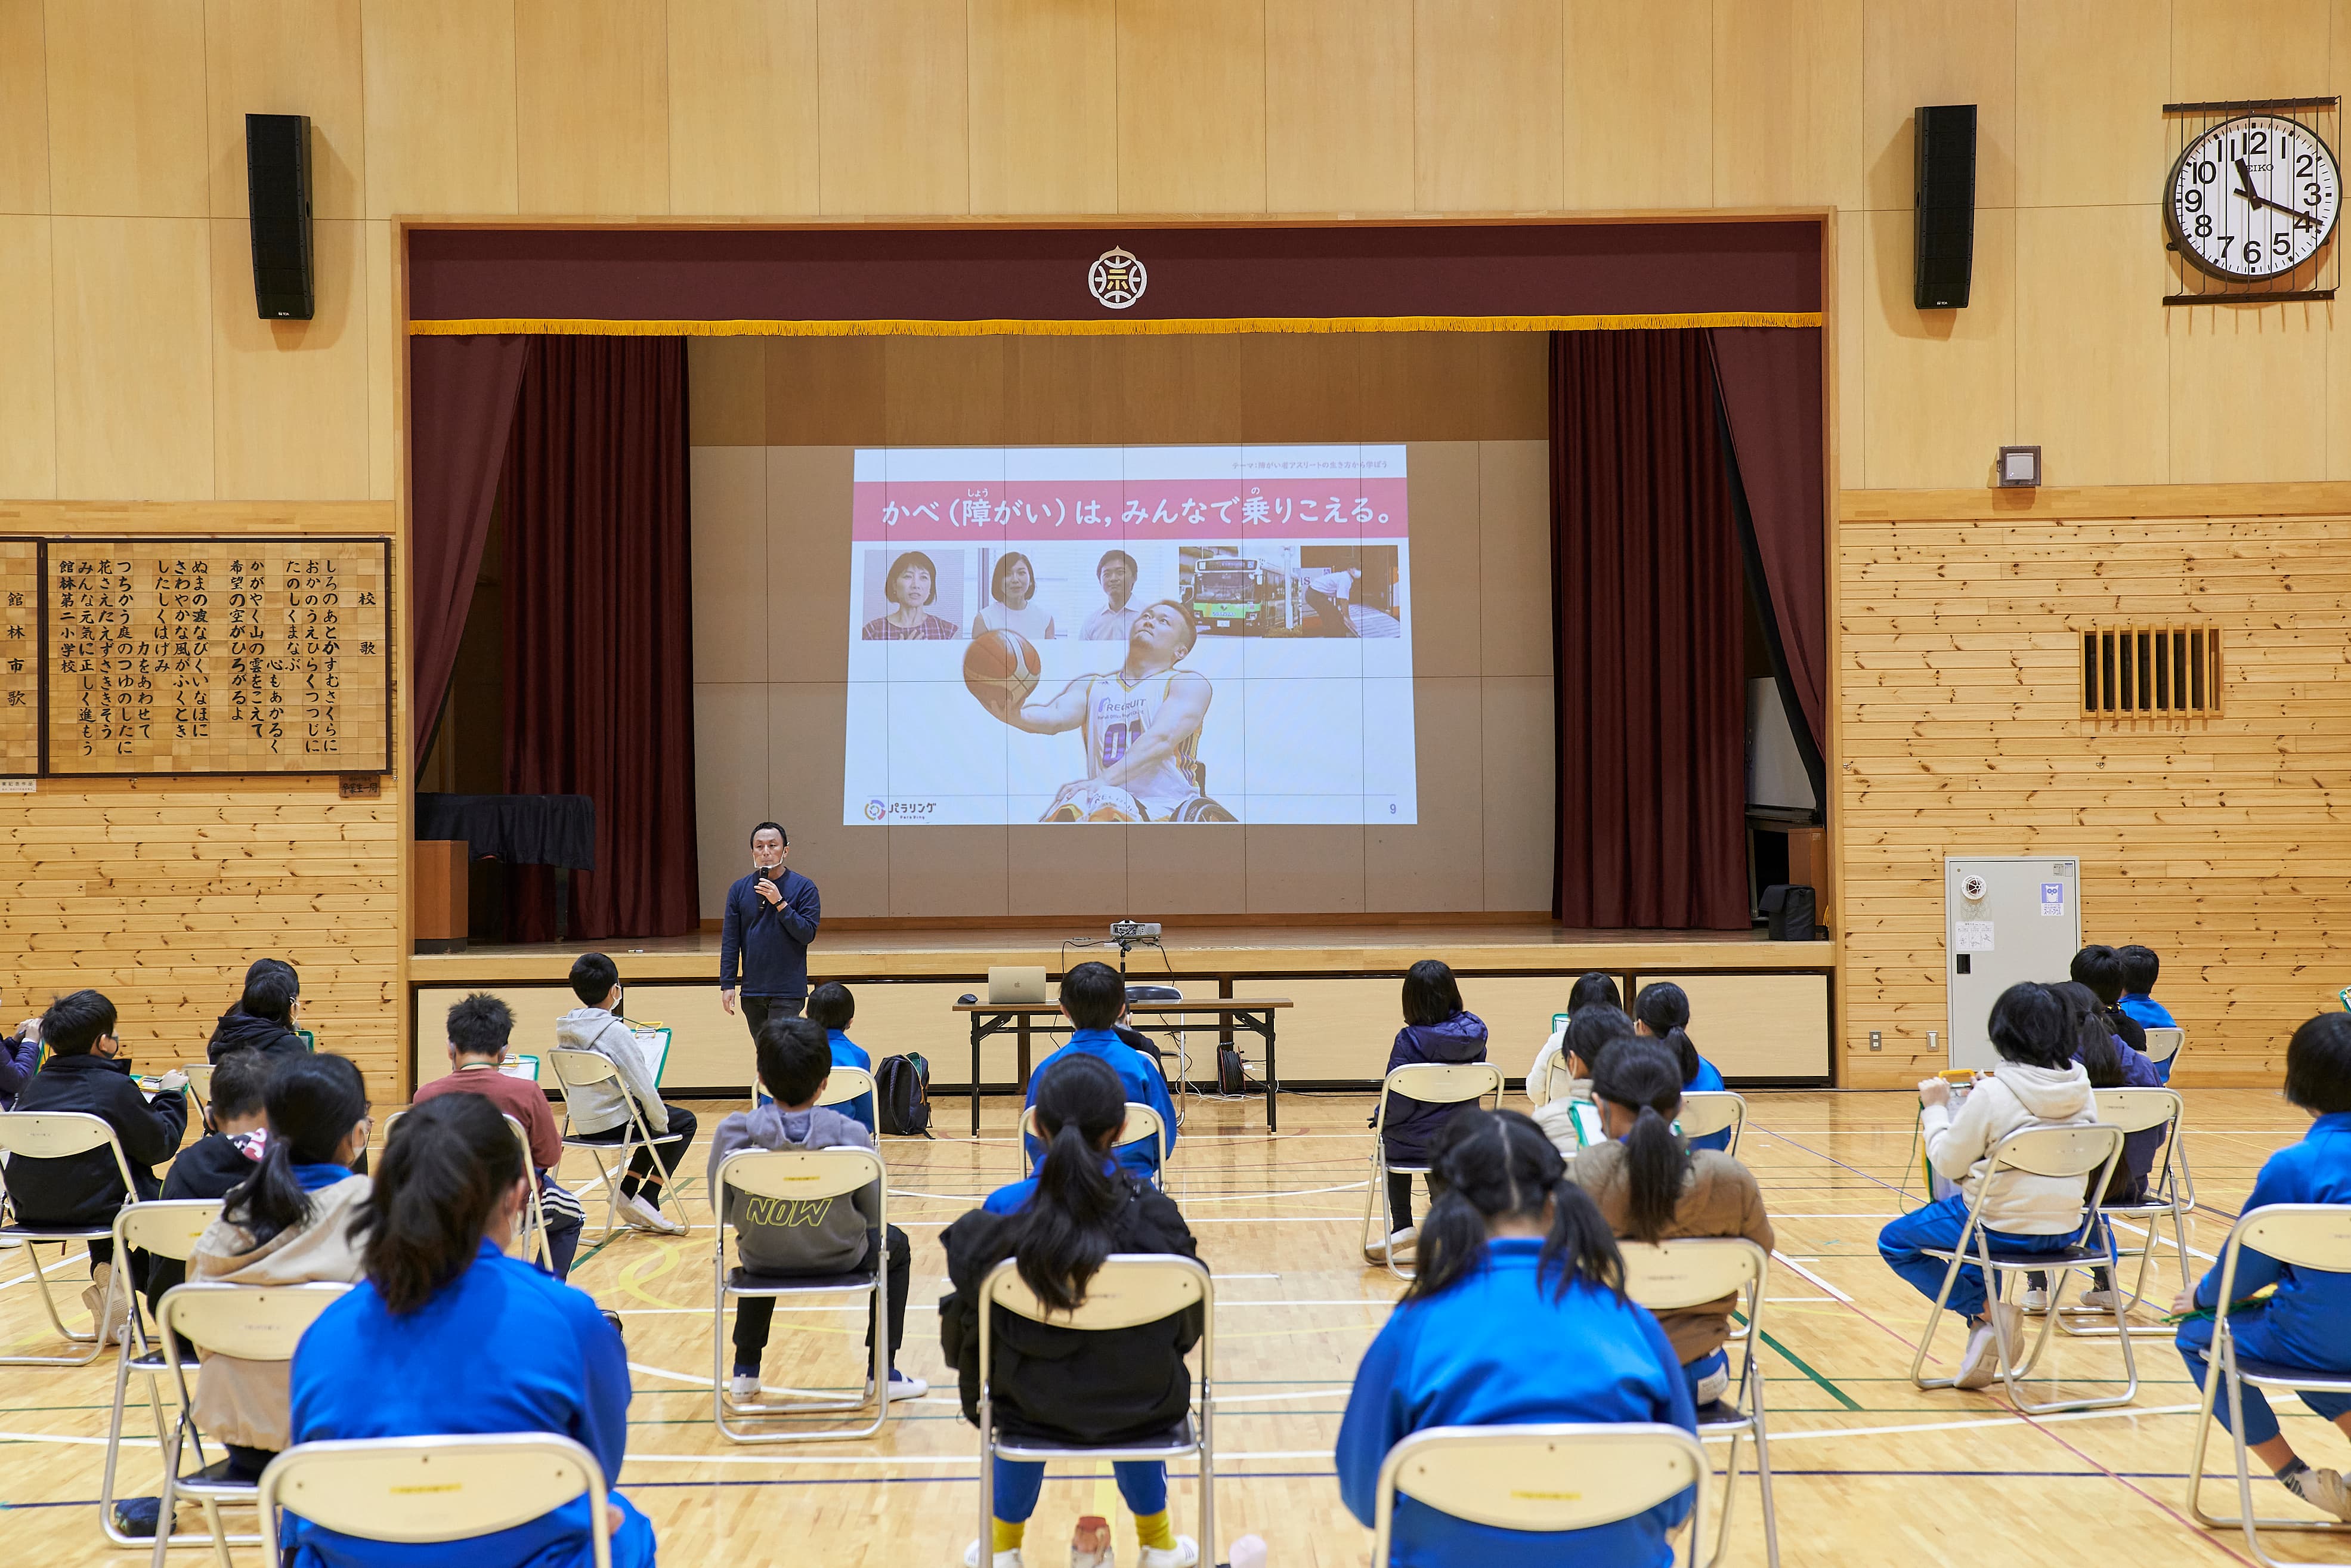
1759,583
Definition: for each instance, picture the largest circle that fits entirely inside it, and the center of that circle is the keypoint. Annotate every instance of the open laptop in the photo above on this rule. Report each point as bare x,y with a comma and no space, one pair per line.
1011,985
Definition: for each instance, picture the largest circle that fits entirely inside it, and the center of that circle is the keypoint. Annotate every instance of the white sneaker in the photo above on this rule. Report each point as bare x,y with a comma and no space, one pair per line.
1003,1559
1185,1553
642,1216
2036,1301
900,1387
1404,1244
2098,1301
743,1388
1980,1364
2323,1490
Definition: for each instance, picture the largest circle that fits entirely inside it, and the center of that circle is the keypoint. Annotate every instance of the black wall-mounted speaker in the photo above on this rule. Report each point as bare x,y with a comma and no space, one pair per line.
278,190
1946,206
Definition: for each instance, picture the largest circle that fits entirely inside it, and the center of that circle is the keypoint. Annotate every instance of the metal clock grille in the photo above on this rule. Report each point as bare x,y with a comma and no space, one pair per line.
2318,277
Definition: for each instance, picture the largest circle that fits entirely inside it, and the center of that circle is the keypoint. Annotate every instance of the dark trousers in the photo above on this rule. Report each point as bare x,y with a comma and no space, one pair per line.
754,1314
562,1242
1399,1201
1330,613
757,1010
102,1252
671,1146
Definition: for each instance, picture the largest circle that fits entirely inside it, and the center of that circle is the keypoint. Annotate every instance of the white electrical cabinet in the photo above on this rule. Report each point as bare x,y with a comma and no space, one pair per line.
2006,918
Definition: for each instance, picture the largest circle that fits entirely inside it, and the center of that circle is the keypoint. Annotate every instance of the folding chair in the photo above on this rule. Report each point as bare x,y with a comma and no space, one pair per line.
1706,1111
786,1177
2087,1154
1432,1084
160,1229
847,1084
1547,1076
2135,1110
2303,1236
200,1084
430,1490
2165,1045
533,1240
1142,1123
1692,1272
1129,1290
53,1135
251,1322
583,1069
1570,1476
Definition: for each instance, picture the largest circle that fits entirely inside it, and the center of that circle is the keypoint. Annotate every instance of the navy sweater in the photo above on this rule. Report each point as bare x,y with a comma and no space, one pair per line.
768,945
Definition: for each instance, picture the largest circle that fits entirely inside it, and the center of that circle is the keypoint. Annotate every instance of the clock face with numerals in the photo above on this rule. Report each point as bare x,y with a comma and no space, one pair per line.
2253,198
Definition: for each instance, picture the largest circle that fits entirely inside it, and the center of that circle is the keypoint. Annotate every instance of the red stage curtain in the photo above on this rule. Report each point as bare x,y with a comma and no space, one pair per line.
1650,661
1771,383
600,628
461,400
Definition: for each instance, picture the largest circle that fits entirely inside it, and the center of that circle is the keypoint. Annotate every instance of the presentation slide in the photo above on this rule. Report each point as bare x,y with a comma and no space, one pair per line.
1130,635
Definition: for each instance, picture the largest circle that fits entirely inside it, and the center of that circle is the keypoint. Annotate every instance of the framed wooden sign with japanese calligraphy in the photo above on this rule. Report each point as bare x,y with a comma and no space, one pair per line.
20,657
216,655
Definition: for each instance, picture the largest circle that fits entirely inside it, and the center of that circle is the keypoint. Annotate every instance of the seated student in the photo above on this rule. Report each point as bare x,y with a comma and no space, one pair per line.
830,1236
830,1007
599,1113
2100,967
264,1017
2110,1064
2140,968
1592,988
1093,999
1652,1187
456,1337
20,1055
479,1028
87,1071
225,1158
1518,1317
1662,1011
1567,1120
2307,1320
2037,1085
1063,1385
1437,1027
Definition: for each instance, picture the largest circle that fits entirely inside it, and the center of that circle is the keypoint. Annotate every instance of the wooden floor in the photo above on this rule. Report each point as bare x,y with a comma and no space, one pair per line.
1870,1468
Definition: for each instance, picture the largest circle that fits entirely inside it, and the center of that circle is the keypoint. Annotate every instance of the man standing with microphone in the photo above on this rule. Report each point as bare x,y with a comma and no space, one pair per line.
771,918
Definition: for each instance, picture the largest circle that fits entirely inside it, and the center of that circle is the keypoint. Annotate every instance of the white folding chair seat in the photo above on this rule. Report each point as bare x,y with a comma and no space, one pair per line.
581,1070
433,1489
2136,1110
1143,1123
251,1322
1129,1290
1431,1083
2078,1154
801,1175
1706,1111
61,1134
1541,1478
1693,1272
2305,1235
161,1229
2165,1045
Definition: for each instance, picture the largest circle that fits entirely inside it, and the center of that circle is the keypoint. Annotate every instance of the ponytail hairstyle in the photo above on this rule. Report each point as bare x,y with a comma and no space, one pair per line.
1642,1076
1063,1235
1591,1032
1665,1008
2093,1038
313,1103
444,1170
1498,1165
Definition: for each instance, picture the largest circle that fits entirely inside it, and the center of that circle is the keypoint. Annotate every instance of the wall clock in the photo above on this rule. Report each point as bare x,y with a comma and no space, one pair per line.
2254,197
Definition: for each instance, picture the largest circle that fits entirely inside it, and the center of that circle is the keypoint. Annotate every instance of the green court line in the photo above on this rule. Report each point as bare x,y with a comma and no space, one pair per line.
1798,1362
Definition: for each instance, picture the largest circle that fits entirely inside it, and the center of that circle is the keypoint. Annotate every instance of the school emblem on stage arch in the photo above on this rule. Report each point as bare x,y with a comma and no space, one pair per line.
1117,279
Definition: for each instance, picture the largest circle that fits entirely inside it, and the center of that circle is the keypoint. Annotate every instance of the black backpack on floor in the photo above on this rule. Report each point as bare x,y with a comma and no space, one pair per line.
903,1095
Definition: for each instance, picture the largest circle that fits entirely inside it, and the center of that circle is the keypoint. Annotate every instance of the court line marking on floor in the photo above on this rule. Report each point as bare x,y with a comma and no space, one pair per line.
1835,1294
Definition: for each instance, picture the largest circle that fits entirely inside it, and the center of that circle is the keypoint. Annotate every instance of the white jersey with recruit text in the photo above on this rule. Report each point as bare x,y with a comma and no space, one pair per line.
1116,716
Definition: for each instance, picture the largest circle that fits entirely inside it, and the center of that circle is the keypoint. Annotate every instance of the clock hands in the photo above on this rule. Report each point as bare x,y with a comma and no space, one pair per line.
2257,199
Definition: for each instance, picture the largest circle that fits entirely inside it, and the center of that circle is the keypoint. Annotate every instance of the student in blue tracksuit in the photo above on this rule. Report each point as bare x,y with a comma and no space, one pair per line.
2306,1321
1518,1317
448,1336
1663,1010
2140,967
830,1007
1093,999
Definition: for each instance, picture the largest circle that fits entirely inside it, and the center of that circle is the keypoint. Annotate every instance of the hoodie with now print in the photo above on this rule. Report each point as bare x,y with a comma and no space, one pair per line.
2013,1098
786,1236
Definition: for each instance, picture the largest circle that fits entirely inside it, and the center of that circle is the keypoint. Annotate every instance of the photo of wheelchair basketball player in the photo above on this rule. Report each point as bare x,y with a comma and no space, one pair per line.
1142,727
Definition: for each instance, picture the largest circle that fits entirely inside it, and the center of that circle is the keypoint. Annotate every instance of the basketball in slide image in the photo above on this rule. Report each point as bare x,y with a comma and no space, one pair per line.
1001,669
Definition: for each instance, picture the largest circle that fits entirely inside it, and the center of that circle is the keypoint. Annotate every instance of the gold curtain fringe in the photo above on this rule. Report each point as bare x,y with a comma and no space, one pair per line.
1099,328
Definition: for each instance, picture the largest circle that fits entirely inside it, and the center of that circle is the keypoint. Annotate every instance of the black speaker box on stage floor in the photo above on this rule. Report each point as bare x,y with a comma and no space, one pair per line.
278,190
1791,912
1946,207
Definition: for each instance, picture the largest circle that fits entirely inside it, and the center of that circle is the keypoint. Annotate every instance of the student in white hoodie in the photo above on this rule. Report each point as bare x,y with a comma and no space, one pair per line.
2037,1085
601,1112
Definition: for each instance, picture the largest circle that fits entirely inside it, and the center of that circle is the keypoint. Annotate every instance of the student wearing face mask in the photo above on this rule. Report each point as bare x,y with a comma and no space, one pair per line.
771,917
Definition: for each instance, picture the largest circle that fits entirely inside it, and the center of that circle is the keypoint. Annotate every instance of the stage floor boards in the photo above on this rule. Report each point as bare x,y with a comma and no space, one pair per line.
1868,1467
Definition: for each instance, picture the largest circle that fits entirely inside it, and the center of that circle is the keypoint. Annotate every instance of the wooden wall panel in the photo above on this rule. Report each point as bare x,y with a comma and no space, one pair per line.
2218,433
125,91
2086,72
1639,109
287,57
1337,106
1191,106
28,408
742,106
892,85
134,364
2221,49
1939,51
290,397
440,108
2219,843
1488,106
1939,386
2092,365
1051,150
1786,102
592,106
24,108
386,348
